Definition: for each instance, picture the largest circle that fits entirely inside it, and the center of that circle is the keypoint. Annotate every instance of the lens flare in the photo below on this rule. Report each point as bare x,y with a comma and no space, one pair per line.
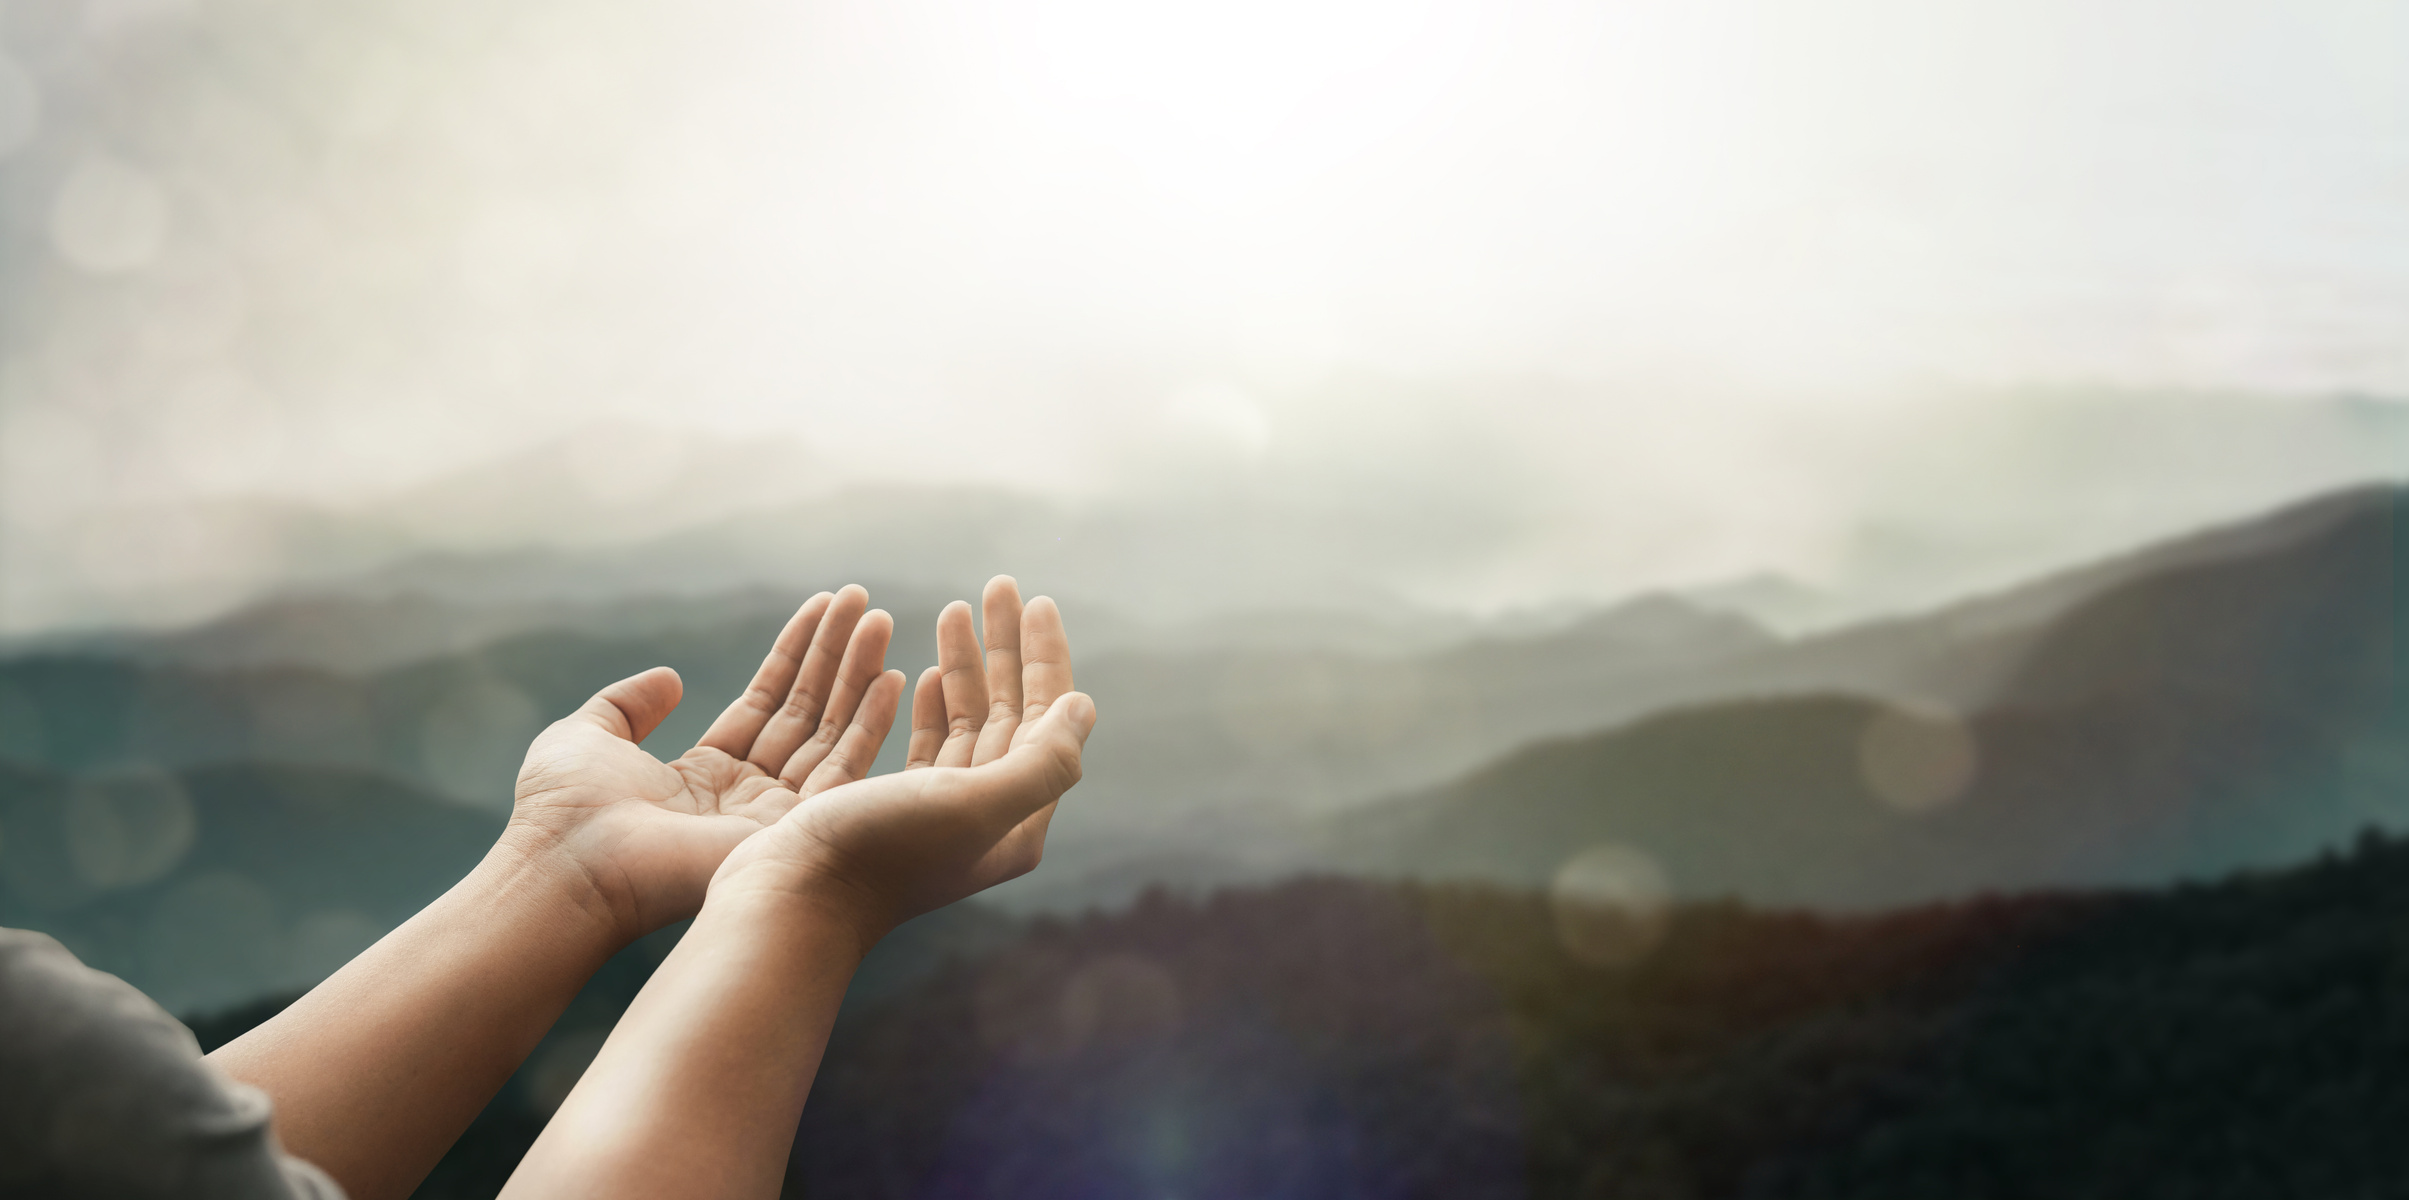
129,828
314,724
1042,1008
1610,904
1917,759
1118,1000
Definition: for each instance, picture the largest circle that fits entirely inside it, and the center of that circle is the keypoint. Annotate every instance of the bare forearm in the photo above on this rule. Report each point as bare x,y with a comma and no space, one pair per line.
377,1071
699,1088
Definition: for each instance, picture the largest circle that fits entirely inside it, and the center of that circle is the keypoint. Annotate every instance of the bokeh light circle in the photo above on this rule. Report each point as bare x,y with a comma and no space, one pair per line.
1610,903
1917,758
129,828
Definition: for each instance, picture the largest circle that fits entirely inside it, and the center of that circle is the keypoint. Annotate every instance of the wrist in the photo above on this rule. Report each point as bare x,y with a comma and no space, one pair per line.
534,864
787,894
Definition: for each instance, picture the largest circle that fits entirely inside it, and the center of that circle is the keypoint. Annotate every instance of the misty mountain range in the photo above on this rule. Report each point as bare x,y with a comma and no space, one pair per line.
1992,495
2213,711
2218,700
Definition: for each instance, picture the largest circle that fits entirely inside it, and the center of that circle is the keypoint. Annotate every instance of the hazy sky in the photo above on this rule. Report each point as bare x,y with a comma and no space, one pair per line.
1732,252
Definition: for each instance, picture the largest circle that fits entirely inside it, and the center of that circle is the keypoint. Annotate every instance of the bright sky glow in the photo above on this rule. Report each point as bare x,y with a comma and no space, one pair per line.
327,252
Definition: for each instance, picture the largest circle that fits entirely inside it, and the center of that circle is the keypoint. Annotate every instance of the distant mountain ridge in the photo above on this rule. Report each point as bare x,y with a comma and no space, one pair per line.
2050,476
1219,760
2225,709
2117,749
363,634
1369,729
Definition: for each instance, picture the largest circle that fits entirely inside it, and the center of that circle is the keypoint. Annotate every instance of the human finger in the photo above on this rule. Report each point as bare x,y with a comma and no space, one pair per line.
964,685
999,636
857,751
633,707
815,679
1043,766
1045,658
734,731
928,720
865,659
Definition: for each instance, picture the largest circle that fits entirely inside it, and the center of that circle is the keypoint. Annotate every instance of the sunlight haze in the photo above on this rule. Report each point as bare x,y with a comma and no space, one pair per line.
1639,294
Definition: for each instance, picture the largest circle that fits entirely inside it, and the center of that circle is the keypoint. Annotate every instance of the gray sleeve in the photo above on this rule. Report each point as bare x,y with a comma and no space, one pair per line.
107,1095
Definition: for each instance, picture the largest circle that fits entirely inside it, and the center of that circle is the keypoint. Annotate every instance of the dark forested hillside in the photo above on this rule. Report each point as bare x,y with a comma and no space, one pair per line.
1330,1039
2244,1039
2245,710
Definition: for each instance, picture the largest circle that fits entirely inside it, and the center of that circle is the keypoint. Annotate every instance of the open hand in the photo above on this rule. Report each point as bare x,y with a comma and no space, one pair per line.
649,834
996,737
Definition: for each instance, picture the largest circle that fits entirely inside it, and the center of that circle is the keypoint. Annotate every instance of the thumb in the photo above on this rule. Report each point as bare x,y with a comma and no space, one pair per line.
1061,734
633,707
1077,710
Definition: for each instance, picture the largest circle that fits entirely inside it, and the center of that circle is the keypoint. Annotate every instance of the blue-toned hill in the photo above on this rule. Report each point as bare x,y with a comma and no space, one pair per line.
2244,710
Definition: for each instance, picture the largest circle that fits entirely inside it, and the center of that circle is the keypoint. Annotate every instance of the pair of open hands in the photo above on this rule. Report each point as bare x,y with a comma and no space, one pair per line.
776,796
